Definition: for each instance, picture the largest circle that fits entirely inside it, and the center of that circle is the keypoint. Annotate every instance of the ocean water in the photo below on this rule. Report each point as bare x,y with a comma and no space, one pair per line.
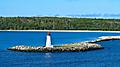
108,57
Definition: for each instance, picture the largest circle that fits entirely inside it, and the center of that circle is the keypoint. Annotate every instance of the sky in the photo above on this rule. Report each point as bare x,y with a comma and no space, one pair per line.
58,7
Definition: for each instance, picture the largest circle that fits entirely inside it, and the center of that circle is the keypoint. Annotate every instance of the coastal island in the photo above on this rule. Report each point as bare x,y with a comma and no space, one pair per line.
74,47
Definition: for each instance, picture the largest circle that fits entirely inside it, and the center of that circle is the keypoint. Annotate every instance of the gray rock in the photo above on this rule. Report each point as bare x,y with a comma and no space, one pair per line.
76,47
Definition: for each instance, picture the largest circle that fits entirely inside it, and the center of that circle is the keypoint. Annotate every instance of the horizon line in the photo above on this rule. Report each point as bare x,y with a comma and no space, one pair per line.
66,16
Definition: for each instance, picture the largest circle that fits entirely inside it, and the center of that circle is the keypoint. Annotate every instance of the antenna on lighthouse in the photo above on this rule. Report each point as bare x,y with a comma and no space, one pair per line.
48,40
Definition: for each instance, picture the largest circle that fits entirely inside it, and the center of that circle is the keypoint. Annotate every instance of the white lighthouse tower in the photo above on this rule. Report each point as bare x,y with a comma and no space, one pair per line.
48,40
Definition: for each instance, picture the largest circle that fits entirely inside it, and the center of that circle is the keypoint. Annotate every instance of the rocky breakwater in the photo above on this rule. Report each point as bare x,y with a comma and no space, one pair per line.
75,47
105,38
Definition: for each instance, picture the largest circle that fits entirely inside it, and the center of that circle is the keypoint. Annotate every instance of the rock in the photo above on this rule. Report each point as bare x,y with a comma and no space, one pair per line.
104,38
76,47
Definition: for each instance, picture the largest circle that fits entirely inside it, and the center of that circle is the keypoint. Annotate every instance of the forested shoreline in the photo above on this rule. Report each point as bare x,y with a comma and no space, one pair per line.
58,23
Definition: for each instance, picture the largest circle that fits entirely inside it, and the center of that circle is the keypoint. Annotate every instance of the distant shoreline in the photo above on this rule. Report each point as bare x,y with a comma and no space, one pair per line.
60,31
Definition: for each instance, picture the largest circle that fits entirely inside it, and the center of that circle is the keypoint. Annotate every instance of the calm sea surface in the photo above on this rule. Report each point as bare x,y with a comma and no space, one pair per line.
108,57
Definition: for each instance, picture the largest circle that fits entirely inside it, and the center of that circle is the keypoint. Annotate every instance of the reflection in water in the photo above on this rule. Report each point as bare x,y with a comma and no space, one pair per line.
48,55
48,59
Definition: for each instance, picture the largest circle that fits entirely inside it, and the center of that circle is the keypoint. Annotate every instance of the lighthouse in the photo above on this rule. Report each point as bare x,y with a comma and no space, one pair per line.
48,40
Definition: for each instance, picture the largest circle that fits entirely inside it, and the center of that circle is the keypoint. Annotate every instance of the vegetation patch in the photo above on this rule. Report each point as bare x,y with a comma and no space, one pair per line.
58,23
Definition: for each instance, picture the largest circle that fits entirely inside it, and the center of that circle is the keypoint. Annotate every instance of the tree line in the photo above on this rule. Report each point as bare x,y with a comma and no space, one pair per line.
58,23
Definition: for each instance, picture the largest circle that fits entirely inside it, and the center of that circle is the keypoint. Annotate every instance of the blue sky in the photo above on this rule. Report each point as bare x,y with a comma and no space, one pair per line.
58,7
